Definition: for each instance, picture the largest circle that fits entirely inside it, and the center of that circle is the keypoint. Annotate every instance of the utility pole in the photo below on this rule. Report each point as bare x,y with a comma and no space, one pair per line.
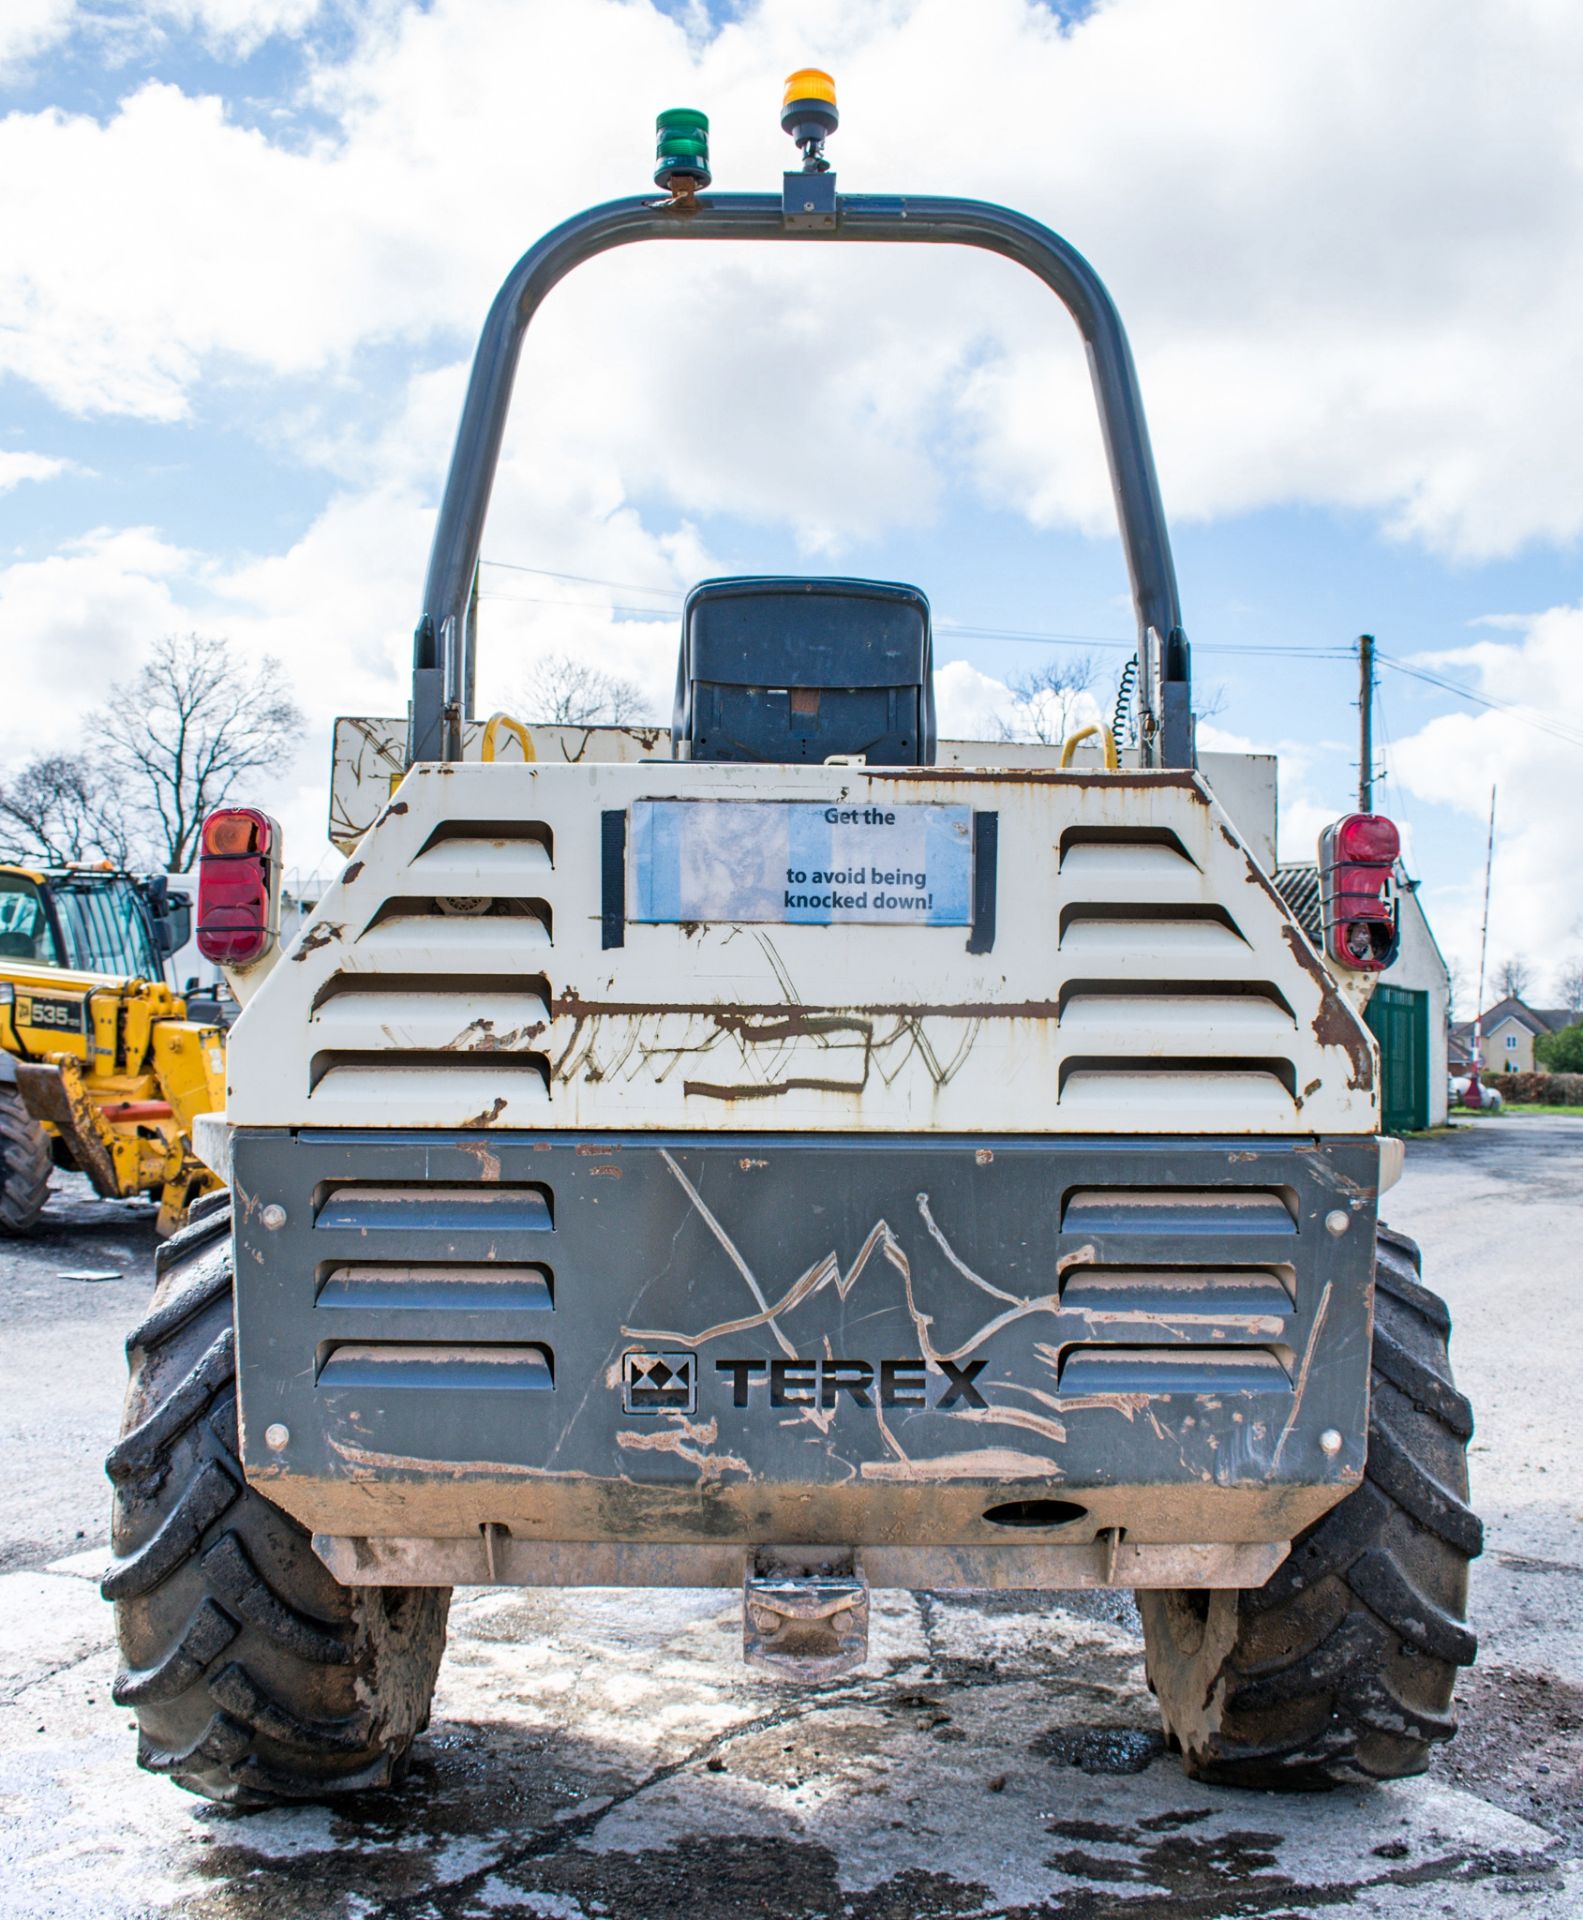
1366,719
1474,1096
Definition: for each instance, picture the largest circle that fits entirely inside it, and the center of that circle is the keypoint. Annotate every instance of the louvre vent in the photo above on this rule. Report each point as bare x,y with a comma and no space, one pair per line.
1174,1212
430,1292
1155,1370
1155,1319
491,1208
357,1073
431,1367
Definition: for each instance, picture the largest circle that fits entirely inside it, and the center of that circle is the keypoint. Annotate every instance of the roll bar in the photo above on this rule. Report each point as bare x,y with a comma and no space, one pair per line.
443,652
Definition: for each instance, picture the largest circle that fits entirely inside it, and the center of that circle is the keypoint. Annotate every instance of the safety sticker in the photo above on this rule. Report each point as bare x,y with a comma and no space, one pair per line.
800,863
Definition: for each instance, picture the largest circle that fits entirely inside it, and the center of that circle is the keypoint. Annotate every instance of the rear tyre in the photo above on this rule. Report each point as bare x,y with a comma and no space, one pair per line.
25,1165
255,1677
1341,1668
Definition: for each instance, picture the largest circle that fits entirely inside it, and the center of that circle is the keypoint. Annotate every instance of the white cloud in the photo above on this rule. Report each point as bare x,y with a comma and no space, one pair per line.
28,28
1536,902
970,705
1348,239
15,468
238,26
80,616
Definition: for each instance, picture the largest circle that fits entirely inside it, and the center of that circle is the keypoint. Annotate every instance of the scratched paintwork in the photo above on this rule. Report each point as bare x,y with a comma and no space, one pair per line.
1143,986
753,1247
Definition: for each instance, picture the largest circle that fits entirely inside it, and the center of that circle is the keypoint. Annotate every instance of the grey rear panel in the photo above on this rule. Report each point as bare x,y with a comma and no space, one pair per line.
761,1339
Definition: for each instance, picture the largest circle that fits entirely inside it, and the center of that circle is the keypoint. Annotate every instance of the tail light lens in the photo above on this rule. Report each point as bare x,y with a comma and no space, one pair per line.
238,891
1357,864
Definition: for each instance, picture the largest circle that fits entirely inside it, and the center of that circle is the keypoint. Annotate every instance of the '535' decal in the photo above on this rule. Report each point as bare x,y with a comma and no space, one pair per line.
49,1010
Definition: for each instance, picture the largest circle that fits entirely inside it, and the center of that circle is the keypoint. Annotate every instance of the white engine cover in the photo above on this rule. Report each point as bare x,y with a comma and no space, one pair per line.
1144,977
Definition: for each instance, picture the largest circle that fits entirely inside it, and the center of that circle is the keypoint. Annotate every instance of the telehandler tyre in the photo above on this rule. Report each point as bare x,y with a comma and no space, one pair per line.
25,1165
254,1675
1341,1667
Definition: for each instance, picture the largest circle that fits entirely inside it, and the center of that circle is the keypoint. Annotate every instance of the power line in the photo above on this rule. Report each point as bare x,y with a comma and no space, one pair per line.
1525,715
1034,636
583,579
1025,636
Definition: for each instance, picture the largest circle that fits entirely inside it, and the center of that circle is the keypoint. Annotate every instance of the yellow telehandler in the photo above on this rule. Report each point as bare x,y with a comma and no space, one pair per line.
101,1068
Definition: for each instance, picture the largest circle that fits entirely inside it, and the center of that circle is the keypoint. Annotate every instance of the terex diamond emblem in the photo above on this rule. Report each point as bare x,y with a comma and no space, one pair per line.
659,1383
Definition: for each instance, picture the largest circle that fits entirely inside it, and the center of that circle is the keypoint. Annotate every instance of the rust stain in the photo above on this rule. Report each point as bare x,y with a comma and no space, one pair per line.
1084,1256
316,937
1335,1025
1151,777
983,1156
351,873
489,1115
592,1149
488,1163
780,1022
613,1173
479,1036
708,1090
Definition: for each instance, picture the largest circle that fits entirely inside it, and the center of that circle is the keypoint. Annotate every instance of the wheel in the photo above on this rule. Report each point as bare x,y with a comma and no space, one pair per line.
255,1676
25,1165
1341,1667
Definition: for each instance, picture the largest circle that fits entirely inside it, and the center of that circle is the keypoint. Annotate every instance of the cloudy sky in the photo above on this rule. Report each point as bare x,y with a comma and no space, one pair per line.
245,246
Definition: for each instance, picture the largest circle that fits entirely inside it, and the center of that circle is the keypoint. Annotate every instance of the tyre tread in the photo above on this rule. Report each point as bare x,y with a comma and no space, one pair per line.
1341,1668
254,1677
26,1166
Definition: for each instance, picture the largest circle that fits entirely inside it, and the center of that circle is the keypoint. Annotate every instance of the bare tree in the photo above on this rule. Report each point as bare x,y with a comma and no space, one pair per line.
1513,977
58,810
563,692
193,721
1569,985
1457,985
1045,701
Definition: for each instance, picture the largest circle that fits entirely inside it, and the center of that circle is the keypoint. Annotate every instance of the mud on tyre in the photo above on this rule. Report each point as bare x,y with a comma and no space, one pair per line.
254,1676
1342,1667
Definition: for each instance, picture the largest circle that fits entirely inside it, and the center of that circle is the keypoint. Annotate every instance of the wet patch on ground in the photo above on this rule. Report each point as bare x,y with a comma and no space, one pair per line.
1521,1745
1101,1749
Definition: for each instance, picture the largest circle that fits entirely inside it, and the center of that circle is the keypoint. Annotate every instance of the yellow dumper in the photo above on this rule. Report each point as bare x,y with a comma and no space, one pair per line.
100,1067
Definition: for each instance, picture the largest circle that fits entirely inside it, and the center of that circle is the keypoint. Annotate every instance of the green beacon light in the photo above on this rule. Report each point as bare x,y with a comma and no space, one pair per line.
681,151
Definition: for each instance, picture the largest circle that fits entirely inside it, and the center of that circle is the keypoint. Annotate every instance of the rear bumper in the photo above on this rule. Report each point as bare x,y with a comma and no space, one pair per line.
635,1358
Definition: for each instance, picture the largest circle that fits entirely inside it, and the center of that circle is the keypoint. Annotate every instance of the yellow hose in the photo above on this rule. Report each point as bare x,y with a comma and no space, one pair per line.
1070,746
498,721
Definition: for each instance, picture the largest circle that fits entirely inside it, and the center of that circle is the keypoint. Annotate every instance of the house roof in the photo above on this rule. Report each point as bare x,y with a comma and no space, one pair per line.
1535,1019
1298,886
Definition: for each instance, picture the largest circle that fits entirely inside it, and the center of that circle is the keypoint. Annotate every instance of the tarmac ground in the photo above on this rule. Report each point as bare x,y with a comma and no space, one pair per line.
607,1753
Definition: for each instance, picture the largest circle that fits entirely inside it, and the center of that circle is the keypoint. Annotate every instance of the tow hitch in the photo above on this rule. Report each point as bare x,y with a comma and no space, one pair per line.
804,1618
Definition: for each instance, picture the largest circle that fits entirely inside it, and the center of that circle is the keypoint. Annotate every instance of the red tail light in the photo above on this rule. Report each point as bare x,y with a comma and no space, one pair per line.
238,868
1357,862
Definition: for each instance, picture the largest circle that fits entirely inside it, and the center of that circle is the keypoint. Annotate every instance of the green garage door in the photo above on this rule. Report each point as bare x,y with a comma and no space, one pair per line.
1399,1020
